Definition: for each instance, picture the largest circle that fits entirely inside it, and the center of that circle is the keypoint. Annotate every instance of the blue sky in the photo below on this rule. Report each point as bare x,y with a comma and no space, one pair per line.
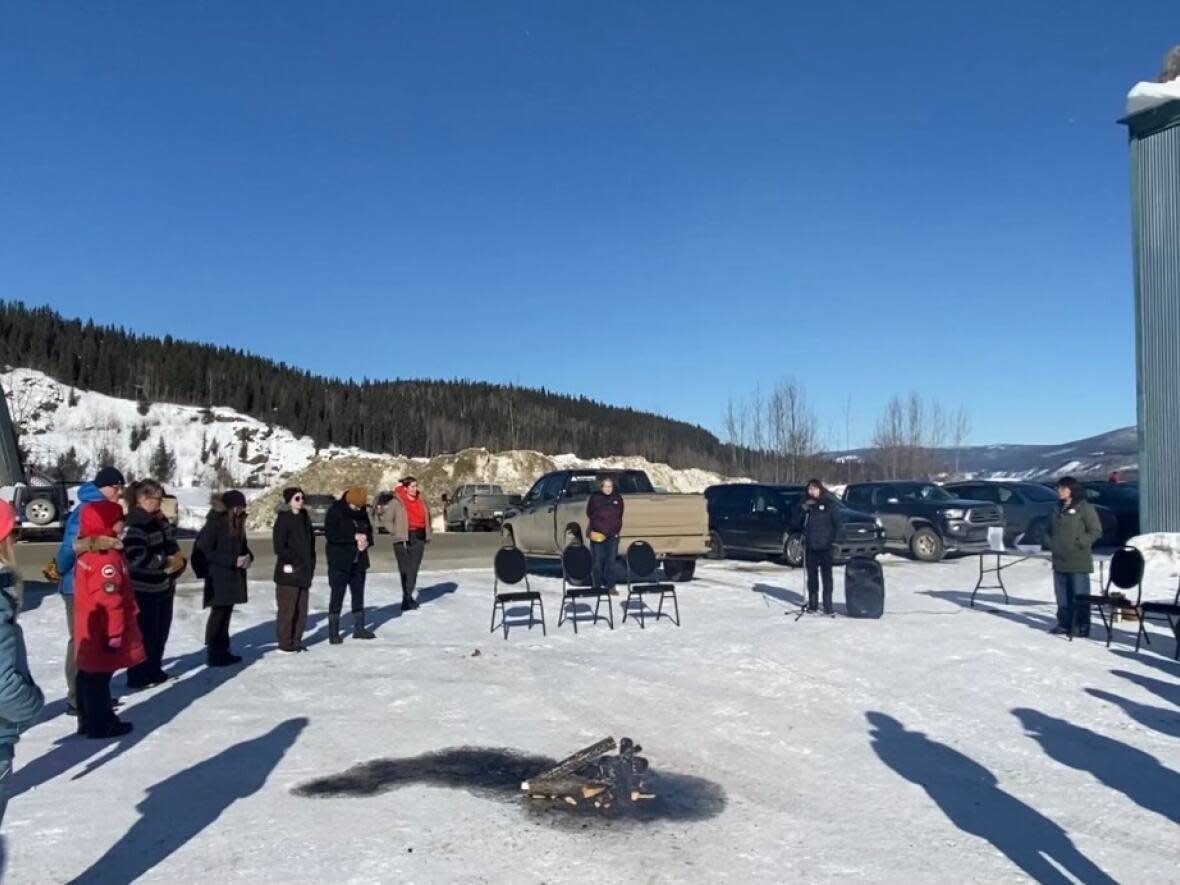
654,204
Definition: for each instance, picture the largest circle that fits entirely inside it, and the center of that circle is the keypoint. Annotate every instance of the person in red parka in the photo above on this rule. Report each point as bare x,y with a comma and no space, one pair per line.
106,630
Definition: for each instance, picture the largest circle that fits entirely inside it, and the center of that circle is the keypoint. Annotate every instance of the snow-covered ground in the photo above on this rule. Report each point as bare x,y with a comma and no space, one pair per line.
939,744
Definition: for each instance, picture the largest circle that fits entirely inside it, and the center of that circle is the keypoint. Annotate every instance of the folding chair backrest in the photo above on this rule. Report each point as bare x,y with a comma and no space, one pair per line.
510,565
1126,568
576,563
641,560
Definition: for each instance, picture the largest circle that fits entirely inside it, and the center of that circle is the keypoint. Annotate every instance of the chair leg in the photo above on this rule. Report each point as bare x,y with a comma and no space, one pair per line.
541,604
493,629
1140,633
626,605
610,612
676,606
1108,624
574,615
660,609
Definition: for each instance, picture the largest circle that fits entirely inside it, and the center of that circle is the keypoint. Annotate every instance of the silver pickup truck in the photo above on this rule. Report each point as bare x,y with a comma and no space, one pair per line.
553,515
475,507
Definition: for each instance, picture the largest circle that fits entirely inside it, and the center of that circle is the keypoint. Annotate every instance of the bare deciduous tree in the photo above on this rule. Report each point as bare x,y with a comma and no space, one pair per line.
960,431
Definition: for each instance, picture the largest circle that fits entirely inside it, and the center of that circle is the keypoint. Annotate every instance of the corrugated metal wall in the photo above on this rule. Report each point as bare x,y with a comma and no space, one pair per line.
1155,194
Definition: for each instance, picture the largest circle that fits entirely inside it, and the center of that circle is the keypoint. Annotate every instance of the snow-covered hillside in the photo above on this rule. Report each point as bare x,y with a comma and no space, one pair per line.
219,447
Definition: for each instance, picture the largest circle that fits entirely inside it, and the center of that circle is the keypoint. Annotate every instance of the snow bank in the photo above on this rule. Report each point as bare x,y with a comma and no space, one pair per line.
1145,96
1161,554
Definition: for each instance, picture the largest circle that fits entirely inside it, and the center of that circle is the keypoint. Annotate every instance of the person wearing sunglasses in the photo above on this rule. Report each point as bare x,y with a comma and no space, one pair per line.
154,561
294,546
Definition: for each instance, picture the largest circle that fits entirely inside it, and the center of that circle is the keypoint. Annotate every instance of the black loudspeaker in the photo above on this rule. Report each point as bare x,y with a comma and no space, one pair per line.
864,588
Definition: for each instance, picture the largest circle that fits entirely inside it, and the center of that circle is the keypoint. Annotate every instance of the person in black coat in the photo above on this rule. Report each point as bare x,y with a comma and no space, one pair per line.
154,561
294,546
223,556
349,535
822,520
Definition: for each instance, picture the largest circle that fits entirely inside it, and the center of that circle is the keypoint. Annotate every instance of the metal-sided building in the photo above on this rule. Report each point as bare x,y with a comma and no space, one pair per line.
1155,197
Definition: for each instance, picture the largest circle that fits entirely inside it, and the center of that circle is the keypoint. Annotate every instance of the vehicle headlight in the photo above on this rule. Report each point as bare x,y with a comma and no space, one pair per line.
954,513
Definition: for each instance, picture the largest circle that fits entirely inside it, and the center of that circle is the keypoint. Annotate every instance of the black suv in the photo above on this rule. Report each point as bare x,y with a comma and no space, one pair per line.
1028,509
926,518
763,520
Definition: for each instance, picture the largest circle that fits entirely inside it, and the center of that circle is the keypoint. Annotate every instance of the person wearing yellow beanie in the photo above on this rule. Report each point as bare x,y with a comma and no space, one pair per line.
348,534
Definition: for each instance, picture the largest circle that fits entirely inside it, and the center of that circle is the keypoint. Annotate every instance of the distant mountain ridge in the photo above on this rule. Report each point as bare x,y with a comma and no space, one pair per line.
1094,456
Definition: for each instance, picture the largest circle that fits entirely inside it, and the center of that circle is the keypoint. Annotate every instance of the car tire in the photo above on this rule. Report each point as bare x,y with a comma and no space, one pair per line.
793,550
40,511
926,545
680,571
716,546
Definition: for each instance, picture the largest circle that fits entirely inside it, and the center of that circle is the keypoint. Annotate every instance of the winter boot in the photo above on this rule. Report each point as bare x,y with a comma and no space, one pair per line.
408,603
334,629
359,631
812,601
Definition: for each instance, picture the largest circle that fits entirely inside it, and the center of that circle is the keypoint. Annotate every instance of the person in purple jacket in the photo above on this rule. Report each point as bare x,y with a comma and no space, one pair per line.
605,514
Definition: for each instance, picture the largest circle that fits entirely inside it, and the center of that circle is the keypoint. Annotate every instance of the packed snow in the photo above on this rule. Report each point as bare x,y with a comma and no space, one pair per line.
1147,95
939,744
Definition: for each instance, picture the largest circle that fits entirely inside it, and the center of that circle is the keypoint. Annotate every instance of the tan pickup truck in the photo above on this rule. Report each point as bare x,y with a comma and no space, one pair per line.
553,514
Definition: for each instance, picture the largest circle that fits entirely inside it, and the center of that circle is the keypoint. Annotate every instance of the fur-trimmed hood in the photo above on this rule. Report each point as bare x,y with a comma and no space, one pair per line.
96,543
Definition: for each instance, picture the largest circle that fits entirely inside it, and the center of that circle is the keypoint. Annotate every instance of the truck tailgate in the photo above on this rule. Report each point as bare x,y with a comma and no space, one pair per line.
672,524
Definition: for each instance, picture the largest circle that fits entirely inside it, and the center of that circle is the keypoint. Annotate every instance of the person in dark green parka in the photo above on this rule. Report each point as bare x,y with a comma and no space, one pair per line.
1075,528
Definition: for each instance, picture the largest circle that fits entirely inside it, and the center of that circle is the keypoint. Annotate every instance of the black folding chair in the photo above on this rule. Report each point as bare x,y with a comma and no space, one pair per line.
641,570
576,571
1126,572
511,568
1160,611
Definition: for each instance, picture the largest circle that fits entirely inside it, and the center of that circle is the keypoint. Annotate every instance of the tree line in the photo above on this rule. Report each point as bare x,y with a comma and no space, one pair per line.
420,418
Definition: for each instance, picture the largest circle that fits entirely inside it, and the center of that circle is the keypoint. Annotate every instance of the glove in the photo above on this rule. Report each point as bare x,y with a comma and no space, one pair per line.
115,643
177,564
50,572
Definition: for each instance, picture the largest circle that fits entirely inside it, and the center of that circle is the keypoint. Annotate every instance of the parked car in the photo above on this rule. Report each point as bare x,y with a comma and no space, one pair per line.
553,514
925,518
41,506
1028,509
1120,498
378,515
317,509
764,520
475,507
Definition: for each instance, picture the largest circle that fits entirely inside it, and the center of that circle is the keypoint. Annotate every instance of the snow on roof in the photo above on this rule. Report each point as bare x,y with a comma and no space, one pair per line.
1145,96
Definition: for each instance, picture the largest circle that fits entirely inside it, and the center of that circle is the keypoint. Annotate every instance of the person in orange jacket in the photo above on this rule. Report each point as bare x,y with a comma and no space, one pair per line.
106,631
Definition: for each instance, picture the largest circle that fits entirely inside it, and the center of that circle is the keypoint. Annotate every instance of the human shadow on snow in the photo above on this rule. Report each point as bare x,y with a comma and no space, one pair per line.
496,773
792,598
1168,691
1137,775
153,711
1162,720
178,808
375,618
970,796
1041,622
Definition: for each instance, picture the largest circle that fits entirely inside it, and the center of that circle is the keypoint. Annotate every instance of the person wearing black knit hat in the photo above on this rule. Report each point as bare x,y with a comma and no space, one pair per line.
294,546
221,556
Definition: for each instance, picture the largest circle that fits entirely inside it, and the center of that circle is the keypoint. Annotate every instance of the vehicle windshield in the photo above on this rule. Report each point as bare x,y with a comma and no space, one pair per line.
926,493
318,500
627,482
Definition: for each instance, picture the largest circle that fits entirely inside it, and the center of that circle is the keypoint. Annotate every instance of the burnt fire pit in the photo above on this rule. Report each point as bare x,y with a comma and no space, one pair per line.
594,777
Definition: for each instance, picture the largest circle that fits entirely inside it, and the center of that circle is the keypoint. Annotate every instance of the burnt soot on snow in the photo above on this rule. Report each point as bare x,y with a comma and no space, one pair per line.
591,784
